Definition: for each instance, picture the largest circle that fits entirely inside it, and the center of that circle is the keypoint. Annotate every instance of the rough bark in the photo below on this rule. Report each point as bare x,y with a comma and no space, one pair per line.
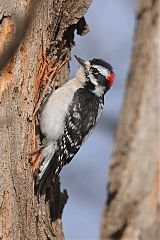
132,210
48,42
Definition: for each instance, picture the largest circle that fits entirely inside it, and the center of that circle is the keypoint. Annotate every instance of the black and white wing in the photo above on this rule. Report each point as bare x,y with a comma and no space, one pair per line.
79,122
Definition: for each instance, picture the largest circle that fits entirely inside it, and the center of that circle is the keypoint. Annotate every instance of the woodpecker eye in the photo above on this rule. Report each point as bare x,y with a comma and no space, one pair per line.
95,71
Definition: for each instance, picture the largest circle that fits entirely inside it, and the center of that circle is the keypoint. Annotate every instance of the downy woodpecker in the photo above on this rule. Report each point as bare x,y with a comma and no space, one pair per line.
69,115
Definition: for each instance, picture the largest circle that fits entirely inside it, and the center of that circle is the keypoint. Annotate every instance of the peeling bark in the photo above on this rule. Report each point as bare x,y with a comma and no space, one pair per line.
48,42
132,210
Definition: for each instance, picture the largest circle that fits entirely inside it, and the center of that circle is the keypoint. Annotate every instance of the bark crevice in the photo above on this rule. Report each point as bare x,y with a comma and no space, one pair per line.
43,48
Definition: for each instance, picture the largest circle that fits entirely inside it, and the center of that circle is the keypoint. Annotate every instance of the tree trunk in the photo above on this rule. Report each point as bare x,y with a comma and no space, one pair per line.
132,210
48,42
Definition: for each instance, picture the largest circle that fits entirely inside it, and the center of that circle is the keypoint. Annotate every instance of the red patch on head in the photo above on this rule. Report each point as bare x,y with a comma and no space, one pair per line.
111,78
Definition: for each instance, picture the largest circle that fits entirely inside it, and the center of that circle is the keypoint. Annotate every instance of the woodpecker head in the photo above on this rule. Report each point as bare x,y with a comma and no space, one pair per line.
96,75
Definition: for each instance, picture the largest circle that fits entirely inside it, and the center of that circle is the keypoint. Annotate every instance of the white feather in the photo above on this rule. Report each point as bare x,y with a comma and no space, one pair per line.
104,71
47,154
99,90
52,118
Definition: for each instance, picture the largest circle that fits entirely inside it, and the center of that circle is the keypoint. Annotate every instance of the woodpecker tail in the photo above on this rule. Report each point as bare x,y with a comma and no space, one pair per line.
46,169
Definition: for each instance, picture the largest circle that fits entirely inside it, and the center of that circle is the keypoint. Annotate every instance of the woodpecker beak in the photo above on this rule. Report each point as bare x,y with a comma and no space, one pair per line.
81,61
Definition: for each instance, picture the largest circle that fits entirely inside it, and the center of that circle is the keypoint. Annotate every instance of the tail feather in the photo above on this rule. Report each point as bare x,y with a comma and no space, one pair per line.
46,169
40,183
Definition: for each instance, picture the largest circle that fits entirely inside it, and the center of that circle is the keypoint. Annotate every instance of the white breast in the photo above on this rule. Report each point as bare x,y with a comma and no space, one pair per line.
52,118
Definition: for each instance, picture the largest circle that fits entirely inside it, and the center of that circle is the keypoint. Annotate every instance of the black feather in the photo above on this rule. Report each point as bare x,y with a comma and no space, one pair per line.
102,63
80,120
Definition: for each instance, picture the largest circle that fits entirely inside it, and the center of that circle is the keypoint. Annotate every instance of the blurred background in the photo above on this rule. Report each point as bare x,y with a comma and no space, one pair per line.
111,24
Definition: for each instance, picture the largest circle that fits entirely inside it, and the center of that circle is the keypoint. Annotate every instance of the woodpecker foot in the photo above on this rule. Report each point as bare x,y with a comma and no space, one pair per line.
35,161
